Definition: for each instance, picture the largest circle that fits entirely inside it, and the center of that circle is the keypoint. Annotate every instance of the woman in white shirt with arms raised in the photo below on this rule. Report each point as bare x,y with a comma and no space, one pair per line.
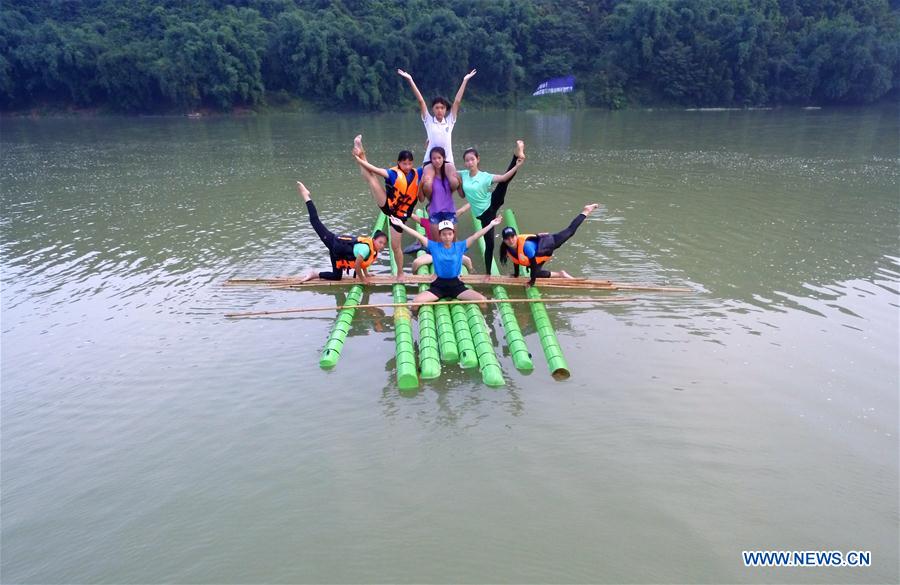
439,128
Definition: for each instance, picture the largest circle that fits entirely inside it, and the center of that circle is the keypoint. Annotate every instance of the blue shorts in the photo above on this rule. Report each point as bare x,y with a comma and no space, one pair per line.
436,218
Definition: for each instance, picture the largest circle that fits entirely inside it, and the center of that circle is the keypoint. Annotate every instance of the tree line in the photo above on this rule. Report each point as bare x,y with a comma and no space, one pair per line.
159,55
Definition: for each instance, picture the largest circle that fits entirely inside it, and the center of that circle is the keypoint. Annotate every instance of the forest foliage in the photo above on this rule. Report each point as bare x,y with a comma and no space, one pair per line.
158,55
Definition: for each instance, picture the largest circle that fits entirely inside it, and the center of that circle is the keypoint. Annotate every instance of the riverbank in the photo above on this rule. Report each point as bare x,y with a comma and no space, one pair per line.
550,104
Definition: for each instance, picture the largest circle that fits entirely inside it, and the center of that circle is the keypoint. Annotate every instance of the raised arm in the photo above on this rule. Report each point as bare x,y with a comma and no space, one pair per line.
396,221
474,237
454,109
361,273
370,167
508,174
422,105
534,269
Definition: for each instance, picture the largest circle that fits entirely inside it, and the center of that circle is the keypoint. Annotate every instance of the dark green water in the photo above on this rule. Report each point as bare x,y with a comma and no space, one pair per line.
147,439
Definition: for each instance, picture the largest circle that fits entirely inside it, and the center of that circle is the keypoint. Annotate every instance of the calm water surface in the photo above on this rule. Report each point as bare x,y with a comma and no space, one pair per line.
146,439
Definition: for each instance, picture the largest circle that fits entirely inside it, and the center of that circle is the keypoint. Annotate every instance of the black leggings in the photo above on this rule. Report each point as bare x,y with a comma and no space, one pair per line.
328,238
498,196
547,244
560,237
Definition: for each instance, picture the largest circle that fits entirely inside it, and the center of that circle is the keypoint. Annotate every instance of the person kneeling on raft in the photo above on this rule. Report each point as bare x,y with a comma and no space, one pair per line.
533,251
447,255
346,252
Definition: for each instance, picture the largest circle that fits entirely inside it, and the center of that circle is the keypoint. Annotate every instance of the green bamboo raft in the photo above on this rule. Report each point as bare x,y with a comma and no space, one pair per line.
454,332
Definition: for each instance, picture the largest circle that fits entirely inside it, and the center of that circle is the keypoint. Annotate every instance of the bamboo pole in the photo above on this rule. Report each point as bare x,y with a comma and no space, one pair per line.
429,344
470,280
331,353
491,373
407,377
465,337
512,333
436,304
559,369
465,345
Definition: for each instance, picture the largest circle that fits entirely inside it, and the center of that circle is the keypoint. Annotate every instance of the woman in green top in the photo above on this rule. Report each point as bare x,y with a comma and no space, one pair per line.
476,186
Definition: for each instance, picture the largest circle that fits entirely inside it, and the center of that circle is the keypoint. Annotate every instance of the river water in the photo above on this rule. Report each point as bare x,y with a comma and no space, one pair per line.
147,439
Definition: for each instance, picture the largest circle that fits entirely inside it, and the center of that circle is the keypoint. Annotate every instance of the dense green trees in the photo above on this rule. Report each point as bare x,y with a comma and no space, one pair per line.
144,55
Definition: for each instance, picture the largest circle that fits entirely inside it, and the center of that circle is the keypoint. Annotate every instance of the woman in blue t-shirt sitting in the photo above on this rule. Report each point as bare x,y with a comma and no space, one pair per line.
447,255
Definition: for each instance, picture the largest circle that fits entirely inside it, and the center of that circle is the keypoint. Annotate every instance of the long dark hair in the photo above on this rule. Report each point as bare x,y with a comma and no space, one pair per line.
440,150
443,178
504,251
507,231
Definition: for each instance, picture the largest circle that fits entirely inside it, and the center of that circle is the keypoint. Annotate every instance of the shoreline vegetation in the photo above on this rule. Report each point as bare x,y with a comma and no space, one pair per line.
69,111
238,57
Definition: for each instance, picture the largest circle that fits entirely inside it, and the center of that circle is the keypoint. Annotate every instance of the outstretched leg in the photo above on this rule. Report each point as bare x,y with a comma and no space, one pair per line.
452,176
423,297
308,275
559,238
326,236
422,260
473,295
498,195
427,181
376,185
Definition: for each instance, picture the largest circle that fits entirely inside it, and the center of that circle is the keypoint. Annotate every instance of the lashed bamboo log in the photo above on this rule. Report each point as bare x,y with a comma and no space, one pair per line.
438,303
471,280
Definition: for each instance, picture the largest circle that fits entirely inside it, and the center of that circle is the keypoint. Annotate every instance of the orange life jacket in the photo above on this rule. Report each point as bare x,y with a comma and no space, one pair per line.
349,264
402,195
520,258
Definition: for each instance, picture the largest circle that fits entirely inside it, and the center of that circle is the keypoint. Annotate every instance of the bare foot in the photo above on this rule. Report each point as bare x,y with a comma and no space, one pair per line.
308,276
590,208
520,149
565,274
400,276
304,192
